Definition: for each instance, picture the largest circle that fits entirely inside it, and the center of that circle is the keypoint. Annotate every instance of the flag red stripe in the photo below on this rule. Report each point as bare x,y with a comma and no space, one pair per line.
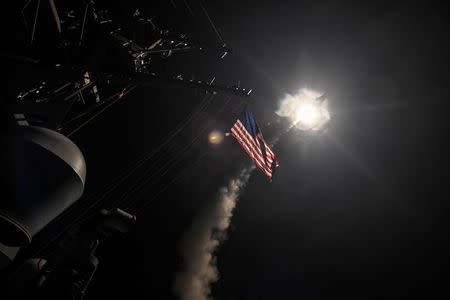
256,147
269,154
252,141
254,156
258,164
256,159
252,147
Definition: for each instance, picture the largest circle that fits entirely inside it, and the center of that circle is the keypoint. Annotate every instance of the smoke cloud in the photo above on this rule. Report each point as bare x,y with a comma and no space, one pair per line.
200,242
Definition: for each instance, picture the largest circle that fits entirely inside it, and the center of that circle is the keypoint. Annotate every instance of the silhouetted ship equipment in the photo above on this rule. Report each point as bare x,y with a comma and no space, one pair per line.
46,172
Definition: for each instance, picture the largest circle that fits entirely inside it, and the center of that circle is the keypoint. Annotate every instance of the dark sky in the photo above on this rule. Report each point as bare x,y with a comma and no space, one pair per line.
359,211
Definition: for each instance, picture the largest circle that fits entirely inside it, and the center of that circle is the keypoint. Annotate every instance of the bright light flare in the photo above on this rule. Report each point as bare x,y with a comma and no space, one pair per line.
307,113
305,110
215,137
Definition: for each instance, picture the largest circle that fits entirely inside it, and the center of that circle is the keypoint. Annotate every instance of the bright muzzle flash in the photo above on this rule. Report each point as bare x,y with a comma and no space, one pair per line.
307,110
308,114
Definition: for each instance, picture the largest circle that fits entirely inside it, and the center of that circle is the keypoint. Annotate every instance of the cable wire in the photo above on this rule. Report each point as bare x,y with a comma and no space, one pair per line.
123,93
203,104
174,161
212,23
139,208
205,101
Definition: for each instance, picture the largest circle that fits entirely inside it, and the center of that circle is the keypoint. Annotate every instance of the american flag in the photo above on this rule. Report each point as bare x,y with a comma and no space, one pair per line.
247,133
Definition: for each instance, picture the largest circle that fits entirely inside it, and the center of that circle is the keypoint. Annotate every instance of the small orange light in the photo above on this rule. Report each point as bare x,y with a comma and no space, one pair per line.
215,137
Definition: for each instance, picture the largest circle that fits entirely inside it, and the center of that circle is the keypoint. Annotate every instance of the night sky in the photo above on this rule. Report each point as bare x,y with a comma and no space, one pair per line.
357,211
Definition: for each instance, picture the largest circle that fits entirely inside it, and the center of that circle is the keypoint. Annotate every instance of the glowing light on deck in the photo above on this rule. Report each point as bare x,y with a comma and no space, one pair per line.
215,137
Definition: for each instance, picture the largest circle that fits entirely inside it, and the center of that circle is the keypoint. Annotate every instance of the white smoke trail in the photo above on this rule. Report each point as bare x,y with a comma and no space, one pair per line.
200,242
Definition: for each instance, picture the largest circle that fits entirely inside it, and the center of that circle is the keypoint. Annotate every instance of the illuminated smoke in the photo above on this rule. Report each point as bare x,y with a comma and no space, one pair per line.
304,110
200,242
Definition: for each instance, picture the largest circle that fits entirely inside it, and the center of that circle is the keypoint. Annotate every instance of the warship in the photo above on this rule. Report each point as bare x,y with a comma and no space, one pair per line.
68,63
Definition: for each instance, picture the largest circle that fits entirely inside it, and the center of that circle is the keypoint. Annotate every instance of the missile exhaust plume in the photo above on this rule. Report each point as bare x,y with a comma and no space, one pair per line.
200,242
307,110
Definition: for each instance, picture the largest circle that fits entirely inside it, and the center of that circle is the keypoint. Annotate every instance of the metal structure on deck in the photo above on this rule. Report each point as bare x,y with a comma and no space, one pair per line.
49,111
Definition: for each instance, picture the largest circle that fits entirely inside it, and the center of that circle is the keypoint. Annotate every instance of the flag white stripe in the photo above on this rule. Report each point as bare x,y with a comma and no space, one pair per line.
250,138
250,149
251,153
254,148
250,144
